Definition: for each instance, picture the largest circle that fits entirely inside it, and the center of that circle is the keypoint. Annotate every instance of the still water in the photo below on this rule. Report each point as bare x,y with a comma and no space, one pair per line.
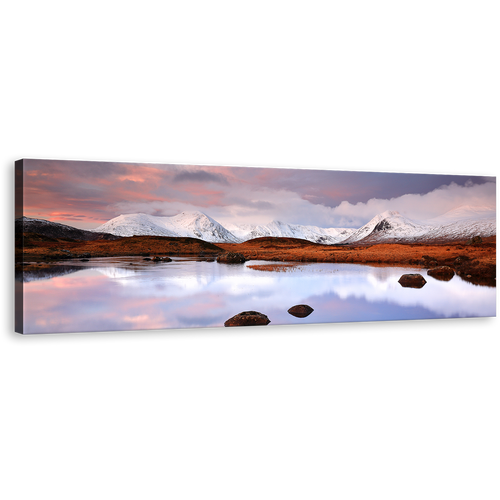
126,293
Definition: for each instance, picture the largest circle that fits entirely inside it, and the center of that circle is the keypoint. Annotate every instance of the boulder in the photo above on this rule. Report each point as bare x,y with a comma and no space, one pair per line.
231,258
443,273
248,318
412,280
300,311
146,258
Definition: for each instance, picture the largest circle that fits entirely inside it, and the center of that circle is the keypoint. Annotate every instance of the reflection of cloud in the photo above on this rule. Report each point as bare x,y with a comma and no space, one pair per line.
189,294
456,300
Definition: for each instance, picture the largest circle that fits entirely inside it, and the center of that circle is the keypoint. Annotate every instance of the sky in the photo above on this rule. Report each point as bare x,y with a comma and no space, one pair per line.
86,194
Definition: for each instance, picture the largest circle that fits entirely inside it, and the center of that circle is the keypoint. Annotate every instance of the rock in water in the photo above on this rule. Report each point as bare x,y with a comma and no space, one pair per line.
248,318
231,258
442,273
300,311
412,280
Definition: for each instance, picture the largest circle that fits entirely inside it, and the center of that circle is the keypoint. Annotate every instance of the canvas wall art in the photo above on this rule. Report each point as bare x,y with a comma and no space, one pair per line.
110,246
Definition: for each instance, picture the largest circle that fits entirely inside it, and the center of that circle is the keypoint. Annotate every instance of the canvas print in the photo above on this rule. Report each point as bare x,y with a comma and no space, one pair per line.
107,246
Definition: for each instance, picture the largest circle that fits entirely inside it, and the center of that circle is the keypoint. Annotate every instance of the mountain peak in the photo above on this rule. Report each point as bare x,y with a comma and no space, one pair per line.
389,213
185,224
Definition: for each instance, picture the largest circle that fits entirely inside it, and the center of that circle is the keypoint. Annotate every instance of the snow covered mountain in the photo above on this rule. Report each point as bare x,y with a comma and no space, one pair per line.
386,226
458,224
187,224
461,223
280,229
199,225
465,222
390,226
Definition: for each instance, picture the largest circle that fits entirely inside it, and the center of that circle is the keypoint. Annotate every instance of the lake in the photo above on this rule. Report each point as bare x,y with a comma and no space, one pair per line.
128,293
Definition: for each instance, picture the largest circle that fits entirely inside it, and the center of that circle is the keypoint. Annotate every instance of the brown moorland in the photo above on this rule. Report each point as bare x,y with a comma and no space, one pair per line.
474,262
34,247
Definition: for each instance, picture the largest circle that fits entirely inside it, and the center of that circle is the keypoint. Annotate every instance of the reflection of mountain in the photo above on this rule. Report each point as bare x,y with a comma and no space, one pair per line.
44,273
193,294
33,273
116,272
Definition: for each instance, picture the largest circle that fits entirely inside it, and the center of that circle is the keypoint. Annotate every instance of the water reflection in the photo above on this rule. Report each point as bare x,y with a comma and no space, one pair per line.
128,294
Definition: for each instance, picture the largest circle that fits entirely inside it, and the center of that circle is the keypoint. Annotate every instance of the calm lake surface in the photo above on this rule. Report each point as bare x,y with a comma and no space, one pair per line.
127,293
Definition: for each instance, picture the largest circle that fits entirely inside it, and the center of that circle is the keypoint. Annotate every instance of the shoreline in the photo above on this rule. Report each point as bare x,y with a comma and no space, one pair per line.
473,262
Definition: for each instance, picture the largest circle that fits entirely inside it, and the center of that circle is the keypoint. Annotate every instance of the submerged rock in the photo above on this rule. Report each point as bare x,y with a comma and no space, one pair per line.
231,258
248,318
412,280
443,273
300,311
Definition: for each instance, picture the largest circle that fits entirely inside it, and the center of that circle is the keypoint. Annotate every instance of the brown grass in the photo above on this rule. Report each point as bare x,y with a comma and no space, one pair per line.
283,268
50,249
478,261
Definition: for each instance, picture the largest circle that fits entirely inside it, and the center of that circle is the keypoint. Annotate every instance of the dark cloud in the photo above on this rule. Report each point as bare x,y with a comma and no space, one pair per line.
72,216
200,176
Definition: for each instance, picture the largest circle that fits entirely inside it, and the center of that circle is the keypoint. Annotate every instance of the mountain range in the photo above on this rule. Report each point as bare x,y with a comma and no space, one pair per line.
390,226
458,224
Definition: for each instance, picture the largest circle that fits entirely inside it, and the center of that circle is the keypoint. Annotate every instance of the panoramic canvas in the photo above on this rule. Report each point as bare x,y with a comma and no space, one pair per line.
106,246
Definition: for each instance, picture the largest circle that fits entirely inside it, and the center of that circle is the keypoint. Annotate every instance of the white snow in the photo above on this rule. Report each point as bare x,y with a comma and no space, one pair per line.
281,230
186,224
460,223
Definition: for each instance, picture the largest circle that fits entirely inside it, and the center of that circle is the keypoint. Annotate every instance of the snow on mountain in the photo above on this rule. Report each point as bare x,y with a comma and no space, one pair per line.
458,224
387,226
187,224
390,226
280,229
461,223
199,225
465,222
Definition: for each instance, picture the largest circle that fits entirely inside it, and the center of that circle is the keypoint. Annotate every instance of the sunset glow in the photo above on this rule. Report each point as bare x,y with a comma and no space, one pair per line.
86,194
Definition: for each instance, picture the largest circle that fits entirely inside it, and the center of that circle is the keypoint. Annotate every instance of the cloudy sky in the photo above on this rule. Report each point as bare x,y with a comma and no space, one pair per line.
86,194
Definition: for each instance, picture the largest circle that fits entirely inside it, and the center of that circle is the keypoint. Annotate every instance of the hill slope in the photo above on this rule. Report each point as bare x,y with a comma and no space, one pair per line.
458,224
56,230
